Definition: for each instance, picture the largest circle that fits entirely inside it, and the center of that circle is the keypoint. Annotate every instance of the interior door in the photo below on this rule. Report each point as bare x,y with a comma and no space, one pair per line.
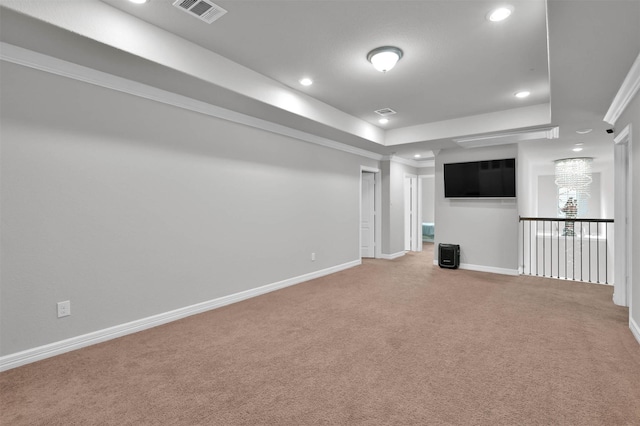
412,229
367,215
407,213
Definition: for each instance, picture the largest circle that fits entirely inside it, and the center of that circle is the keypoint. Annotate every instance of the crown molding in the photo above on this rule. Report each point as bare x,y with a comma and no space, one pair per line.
412,163
627,91
28,58
426,163
508,137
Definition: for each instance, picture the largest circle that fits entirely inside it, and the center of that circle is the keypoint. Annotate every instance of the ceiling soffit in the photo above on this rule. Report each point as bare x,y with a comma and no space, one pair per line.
127,33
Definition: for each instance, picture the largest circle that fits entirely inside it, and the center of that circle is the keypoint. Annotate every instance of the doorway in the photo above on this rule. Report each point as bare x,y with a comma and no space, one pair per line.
622,218
412,234
370,199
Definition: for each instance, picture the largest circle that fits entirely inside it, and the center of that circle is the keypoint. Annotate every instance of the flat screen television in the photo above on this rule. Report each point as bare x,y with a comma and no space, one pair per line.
480,179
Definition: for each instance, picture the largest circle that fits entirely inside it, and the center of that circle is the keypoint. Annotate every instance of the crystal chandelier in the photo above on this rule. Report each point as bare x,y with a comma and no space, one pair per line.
573,178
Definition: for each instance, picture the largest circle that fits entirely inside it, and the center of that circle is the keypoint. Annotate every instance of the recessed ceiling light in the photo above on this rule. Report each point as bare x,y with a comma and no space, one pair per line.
306,81
500,14
383,121
577,149
138,1
522,94
584,131
417,156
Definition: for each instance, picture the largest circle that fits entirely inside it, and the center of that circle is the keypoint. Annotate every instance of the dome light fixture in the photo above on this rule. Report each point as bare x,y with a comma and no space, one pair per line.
384,58
138,1
383,121
306,81
522,94
500,14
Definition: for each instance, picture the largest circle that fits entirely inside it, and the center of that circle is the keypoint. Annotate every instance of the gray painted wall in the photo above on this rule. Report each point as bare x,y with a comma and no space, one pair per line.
632,116
486,229
428,199
131,208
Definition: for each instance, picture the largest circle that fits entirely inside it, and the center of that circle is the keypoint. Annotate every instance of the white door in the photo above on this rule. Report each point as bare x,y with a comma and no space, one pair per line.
407,213
411,223
367,215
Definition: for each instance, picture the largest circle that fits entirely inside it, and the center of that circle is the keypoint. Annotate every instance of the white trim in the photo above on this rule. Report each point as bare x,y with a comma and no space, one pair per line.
38,61
481,268
392,256
627,91
17,359
426,163
623,135
623,243
635,329
411,163
412,226
508,137
369,169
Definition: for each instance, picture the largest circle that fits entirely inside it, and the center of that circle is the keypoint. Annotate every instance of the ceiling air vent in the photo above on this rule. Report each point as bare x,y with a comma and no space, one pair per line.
201,9
385,111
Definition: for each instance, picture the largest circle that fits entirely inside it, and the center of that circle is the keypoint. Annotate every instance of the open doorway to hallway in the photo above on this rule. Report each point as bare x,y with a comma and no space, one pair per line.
419,211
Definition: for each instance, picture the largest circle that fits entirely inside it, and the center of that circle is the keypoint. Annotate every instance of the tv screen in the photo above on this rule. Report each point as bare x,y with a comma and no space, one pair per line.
480,179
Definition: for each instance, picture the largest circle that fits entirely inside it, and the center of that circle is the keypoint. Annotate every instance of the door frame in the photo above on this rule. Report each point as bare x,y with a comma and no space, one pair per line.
623,218
377,226
411,210
421,179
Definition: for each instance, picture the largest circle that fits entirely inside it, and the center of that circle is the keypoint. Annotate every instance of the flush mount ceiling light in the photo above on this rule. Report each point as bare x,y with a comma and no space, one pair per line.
138,1
584,131
522,94
306,81
384,58
417,156
500,14
383,121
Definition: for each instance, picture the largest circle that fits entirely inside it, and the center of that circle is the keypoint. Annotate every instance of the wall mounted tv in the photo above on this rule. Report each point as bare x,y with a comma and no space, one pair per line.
480,179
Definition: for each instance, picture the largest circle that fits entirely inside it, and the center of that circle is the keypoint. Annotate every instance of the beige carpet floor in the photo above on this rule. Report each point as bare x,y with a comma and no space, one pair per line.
397,342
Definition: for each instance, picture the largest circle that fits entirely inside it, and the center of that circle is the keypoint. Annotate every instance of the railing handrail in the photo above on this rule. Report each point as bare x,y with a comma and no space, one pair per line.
567,247
564,219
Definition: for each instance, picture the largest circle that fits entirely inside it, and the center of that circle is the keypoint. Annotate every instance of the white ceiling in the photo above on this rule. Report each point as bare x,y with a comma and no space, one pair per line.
459,70
456,63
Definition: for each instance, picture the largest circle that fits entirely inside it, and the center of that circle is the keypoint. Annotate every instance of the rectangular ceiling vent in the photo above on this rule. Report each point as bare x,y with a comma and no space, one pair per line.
201,9
385,111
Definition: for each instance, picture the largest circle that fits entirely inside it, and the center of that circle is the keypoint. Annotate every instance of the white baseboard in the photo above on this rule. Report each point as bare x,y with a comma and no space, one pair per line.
492,269
635,328
481,268
392,256
17,359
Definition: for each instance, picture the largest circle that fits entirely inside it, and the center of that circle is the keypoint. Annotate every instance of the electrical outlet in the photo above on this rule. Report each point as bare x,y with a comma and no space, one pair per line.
313,257
64,309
